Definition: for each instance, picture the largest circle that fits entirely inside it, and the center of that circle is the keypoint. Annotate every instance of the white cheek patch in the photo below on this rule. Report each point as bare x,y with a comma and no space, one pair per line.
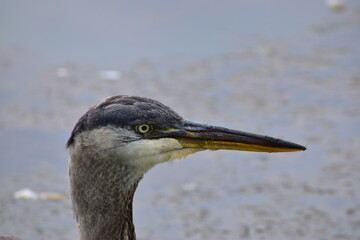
147,147
128,148
146,153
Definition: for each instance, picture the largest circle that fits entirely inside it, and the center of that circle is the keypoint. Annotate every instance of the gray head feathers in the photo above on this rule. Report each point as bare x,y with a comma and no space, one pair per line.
125,112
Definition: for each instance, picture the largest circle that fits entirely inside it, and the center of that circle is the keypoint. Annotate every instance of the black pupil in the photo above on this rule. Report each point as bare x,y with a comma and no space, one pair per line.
144,128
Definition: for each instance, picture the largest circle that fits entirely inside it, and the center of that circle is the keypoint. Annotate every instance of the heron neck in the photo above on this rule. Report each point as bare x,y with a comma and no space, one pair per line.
102,197
109,224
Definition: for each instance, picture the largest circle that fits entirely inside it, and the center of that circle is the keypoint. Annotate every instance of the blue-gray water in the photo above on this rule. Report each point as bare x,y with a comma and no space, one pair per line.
280,68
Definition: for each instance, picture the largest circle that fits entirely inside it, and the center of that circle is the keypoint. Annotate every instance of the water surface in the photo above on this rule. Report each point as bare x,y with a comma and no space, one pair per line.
289,70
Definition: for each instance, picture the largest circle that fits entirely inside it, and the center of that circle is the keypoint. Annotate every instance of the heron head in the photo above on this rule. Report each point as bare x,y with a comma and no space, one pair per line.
140,132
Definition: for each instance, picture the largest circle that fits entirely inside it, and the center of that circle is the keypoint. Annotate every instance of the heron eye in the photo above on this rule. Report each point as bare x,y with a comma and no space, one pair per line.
144,128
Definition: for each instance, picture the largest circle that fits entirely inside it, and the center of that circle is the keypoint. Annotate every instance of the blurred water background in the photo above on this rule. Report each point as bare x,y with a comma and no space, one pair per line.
288,69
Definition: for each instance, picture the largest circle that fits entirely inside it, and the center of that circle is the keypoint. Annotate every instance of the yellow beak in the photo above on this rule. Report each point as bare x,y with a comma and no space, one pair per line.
198,135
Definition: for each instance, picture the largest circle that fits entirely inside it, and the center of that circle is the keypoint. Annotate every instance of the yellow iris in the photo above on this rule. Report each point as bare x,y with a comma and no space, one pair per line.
144,128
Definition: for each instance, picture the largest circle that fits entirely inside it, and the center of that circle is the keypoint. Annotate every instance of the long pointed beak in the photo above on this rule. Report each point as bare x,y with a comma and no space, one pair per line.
198,135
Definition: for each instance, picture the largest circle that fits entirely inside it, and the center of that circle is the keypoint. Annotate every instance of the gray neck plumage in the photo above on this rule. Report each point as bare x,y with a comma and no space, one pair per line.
102,193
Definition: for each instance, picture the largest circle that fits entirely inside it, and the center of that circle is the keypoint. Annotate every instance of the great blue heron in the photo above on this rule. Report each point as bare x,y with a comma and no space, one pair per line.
117,141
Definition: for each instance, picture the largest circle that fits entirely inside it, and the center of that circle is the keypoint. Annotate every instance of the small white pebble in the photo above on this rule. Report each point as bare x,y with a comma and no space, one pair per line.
189,187
26,193
336,5
110,75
